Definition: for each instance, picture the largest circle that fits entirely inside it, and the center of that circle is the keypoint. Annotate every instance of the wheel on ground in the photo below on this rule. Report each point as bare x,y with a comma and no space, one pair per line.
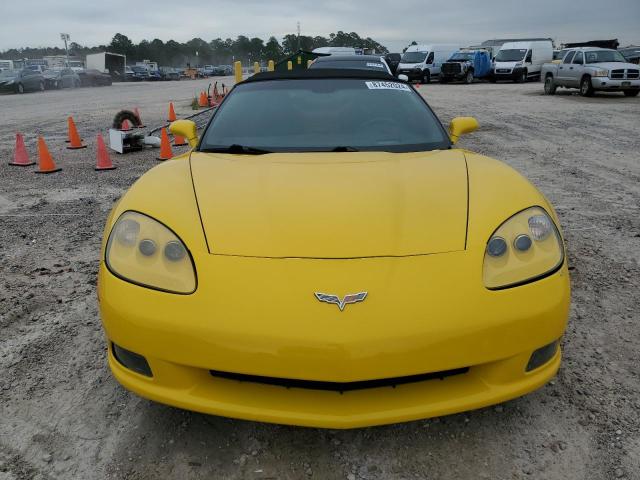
20,88
41,86
522,77
468,77
442,79
426,77
631,93
549,86
586,89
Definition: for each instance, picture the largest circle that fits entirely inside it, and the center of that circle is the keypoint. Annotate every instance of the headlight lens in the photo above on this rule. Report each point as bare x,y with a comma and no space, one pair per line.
525,247
601,73
143,251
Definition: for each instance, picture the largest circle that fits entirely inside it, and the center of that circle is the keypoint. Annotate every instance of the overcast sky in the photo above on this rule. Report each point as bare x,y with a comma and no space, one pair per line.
392,23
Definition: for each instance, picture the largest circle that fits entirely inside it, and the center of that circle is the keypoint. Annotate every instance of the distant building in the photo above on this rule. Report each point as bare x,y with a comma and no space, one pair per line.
60,61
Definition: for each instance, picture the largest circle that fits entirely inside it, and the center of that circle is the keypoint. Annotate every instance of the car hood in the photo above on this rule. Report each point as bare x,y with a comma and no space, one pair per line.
332,205
613,65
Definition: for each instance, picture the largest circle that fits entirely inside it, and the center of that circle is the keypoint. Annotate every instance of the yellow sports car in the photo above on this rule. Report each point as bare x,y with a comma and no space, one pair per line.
324,256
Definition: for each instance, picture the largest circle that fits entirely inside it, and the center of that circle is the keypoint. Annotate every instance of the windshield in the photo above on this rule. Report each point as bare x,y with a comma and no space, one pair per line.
597,56
413,57
511,55
139,69
461,57
358,65
325,114
8,73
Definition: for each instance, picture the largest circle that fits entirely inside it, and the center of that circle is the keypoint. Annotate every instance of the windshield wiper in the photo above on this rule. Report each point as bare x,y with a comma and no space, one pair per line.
344,148
237,148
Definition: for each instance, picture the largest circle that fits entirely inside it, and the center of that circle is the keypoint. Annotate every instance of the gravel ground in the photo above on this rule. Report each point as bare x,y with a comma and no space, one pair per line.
63,416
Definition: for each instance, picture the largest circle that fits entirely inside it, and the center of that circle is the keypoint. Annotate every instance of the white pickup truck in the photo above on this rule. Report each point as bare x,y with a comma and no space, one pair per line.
592,69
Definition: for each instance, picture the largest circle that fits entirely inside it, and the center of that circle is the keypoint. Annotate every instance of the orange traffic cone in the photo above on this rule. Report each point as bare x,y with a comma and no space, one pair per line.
103,161
125,126
46,163
137,112
74,138
172,113
165,146
179,141
20,156
203,102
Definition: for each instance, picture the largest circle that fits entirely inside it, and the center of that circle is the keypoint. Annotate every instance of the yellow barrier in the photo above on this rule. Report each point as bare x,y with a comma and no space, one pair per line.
237,68
271,66
256,67
289,65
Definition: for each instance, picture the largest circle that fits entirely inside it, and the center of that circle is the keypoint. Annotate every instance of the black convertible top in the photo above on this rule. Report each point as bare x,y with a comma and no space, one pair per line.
322,73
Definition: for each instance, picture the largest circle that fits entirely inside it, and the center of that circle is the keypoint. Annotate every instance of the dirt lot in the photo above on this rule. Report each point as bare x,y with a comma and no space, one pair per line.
63,416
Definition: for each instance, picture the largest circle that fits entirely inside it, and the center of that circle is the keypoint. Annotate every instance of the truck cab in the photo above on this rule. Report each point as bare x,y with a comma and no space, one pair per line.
521,61
424,62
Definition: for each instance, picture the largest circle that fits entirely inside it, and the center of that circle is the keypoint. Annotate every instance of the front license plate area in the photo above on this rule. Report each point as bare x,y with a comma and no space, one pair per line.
626,84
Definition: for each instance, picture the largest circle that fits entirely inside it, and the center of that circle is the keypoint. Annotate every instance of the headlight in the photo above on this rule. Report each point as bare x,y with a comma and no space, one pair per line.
601,73
143,251
524,248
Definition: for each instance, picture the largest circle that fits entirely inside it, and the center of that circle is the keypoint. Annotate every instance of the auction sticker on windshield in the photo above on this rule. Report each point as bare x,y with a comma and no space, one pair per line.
387,86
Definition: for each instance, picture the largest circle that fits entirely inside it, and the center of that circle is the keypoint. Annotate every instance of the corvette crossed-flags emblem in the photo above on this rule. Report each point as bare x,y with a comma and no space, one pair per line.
350,298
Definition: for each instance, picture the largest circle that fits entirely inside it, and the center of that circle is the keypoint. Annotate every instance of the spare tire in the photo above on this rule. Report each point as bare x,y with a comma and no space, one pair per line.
123,115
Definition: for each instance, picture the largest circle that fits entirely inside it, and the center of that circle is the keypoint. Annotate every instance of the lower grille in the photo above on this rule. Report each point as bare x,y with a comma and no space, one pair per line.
451,68
503,70
338,386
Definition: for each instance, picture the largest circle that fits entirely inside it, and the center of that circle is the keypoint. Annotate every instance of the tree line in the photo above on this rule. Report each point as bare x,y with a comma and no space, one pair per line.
200,52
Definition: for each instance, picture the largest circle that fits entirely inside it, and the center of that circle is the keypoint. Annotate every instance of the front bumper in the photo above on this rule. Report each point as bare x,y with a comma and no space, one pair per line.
507,74
411,74
260,317
605,83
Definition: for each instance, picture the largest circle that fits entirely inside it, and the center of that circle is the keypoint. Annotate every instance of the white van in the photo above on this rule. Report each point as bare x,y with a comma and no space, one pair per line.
521,61
423,62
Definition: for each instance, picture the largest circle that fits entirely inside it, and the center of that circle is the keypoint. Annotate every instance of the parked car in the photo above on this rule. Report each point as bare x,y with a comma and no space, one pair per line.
355,62
466,65
21,81
592,69
154,75
631,54
208,70
128,74
522,61
94,78
63,78
393,258
140,73
393,60
169,73
423,62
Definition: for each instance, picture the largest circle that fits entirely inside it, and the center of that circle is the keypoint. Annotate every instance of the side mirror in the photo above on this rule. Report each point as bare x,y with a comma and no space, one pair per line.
403,77
186,129
460,126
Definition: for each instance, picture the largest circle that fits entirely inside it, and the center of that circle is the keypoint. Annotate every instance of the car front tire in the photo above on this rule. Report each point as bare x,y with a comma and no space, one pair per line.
468,79
586,89
20,88
426,77
522,78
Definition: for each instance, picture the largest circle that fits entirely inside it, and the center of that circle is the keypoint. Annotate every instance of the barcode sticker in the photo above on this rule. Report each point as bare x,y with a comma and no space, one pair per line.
387,86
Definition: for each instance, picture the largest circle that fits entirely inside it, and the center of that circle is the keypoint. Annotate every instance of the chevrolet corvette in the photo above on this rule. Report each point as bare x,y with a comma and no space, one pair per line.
326,256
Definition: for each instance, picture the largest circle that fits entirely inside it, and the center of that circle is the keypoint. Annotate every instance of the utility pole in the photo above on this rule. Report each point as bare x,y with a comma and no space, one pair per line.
298,35
65,37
